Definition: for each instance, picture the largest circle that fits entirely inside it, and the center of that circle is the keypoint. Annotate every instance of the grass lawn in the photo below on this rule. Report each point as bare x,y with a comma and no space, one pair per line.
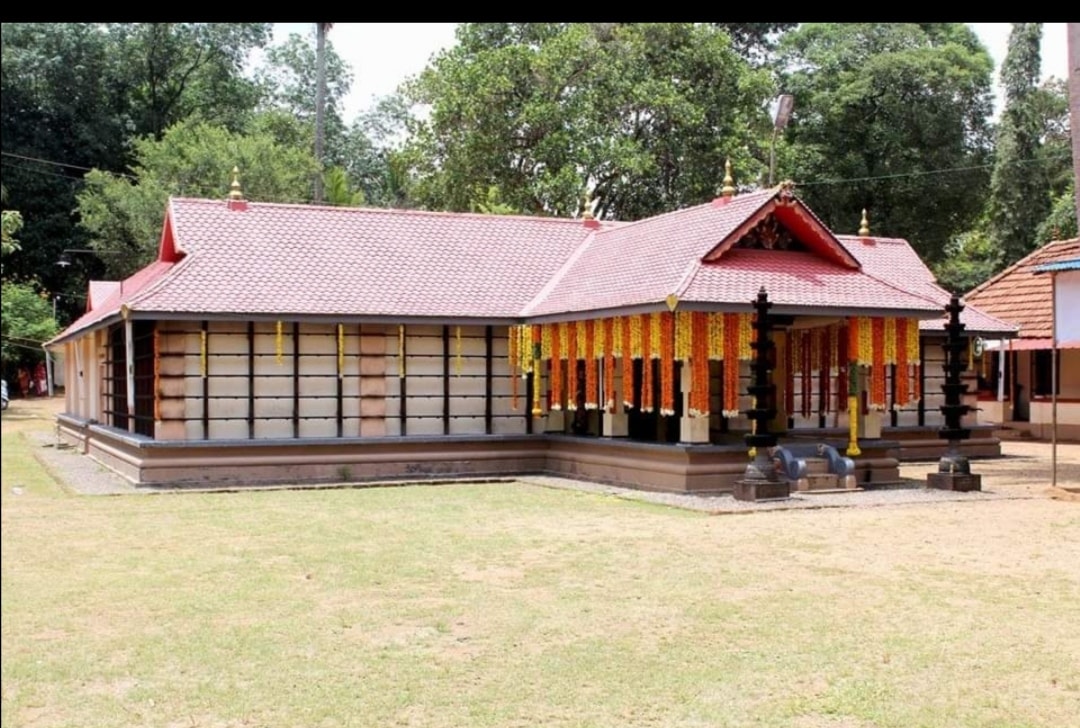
515,605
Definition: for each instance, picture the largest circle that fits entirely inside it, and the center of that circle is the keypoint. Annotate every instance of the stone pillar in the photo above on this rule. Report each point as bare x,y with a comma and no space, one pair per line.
692,430
617,423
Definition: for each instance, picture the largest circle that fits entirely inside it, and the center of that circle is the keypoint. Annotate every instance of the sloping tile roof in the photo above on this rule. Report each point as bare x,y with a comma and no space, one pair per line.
641,263
893,259
286,260
1021,296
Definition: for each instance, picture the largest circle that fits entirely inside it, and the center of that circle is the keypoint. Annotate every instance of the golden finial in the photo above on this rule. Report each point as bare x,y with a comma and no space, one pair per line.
234,189
864,225
729,182
586,202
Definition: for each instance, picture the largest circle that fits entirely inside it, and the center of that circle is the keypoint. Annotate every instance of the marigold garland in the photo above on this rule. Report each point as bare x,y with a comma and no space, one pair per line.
806,348
635,324
866,341
157,374
890,340
513,364
525,352
592,395
545,341
646,363
731,365
901,373
744,325
667,363
401,350
824,366
340,350
627,361
716,336
608,333
655,334
555,392
913,340
615,336
843,361
277,344
572,344
683,335
877,375
789,373
457,351
536,411
699,364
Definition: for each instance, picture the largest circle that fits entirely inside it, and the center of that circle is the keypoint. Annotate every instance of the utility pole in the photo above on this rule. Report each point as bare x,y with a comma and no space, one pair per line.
1074,104
320,103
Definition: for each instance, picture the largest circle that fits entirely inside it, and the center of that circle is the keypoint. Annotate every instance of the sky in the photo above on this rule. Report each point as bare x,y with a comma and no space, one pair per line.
382,55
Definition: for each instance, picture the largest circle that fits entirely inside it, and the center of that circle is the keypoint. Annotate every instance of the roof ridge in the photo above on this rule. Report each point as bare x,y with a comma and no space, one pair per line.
405,211
673,213
557,276
892,285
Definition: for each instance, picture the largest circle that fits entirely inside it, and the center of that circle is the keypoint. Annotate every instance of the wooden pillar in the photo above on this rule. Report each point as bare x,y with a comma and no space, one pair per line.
446,379
489,367
296,379
204,366
251,380
129,367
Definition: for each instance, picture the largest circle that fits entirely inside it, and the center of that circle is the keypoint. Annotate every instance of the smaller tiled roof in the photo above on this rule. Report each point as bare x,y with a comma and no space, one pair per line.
115,293
1020,295
884,257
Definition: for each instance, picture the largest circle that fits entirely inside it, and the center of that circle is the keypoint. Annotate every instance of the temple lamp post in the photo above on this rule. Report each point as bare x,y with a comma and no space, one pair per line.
784,104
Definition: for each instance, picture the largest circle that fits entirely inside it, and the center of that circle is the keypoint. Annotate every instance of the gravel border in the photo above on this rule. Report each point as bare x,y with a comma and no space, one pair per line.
82,475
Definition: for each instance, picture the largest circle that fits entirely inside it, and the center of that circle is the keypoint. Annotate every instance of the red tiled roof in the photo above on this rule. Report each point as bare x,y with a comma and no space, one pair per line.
117,293
287,260
1021,296
893,259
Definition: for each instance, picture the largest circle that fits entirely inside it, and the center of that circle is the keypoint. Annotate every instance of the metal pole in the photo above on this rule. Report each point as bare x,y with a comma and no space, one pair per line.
772,155
1053,380
320,102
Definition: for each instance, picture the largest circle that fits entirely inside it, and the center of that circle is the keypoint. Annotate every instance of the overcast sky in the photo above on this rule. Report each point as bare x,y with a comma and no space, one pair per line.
382,55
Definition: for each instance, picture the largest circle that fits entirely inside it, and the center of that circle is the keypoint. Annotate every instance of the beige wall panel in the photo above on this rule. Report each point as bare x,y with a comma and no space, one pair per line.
425,406
226,430
193,429
425,386
324,386
392,405
425,366
433,330
472,407
433,426
231,387
270,429
274,408
467,426
274,387
318,428
229,408
500,406
510,426
391,425
464,385
318,408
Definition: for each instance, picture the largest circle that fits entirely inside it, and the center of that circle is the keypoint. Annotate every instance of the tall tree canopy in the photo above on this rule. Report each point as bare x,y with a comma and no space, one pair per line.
74,95
123,215
1019,188
643,115
891,117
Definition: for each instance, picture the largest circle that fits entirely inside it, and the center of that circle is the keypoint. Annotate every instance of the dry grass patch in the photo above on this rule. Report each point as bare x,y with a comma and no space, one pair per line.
512,605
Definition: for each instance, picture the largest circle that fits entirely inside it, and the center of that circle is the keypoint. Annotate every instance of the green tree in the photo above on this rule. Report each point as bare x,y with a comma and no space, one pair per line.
74,95
338,189
123,215
1019,188
26,320
891,117
642,114
1060,224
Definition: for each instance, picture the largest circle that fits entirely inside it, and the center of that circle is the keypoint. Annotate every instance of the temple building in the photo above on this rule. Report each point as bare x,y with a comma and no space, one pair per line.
287,343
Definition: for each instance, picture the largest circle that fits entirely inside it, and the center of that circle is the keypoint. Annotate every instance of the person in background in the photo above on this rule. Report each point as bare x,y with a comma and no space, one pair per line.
41,379
23,378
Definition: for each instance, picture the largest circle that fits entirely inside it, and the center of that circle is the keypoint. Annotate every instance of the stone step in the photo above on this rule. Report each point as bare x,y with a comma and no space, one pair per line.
816,466
832,491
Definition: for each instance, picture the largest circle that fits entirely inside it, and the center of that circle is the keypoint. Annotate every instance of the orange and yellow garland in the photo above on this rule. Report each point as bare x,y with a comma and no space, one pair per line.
558,332
608,327
515,364
646,364
592,394
699,364
666,323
